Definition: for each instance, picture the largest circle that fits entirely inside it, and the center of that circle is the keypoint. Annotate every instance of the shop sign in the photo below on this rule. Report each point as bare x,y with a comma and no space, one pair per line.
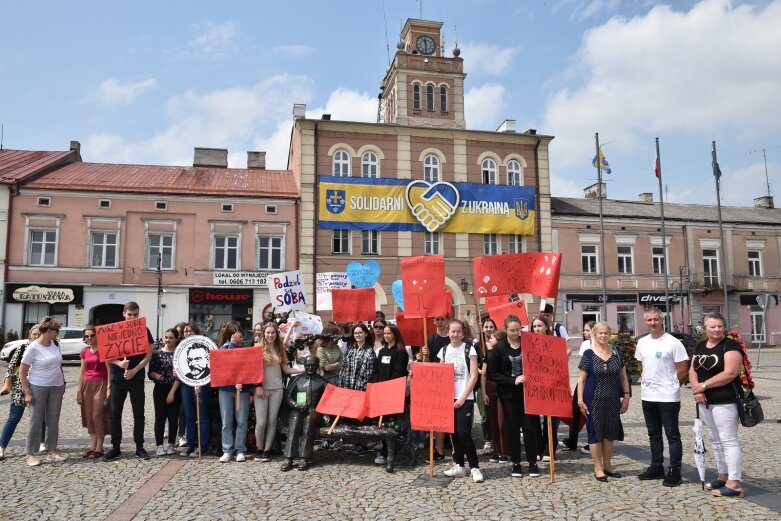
41,294
241,278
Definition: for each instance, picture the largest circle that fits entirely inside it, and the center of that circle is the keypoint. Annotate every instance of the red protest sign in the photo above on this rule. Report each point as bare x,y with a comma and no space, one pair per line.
386,397
493,301
546,369
423,284
431,397
411,330
346,403
236,366
535,273
517,308
353,305
122,339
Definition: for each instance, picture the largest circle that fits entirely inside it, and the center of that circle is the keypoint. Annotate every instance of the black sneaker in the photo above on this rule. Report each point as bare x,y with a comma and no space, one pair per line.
504,459
438,456
517,471
652,473
112,455
534,471
141,453
672,479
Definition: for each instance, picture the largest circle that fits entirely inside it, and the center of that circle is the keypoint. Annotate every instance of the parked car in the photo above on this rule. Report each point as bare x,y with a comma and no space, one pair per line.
71,341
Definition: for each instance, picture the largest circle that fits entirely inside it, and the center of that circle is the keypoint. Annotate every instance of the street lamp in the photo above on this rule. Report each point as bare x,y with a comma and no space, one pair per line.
464,285
159,275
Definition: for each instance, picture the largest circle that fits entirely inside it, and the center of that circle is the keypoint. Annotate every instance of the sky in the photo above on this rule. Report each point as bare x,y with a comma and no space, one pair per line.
146,82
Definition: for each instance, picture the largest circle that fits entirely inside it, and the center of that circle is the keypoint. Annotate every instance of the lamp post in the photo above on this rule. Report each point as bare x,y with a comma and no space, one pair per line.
159,275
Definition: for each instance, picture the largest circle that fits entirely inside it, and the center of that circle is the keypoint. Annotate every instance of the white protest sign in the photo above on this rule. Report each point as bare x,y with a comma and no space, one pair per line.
310,324
325,283
287,291
191,360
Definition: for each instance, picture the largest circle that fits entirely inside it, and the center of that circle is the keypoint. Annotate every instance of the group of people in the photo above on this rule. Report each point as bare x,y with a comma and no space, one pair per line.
490,376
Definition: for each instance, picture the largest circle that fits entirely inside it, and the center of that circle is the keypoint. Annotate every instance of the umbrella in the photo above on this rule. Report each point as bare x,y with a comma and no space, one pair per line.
699,450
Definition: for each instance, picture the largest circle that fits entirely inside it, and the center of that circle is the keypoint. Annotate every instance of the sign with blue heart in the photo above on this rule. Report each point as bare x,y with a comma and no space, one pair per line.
363,275
398,293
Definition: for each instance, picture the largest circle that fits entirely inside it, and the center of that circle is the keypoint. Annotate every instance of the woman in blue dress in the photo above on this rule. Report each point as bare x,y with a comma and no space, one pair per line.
603,396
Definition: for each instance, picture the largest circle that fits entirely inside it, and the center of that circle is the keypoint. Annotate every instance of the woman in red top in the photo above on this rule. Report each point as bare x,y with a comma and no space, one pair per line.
91,394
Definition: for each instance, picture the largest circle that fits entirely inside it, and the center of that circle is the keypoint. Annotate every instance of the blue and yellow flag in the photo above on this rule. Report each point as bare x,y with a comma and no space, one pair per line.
599,160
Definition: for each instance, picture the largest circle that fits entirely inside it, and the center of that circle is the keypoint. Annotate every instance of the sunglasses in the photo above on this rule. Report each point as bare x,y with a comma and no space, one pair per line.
378,327
90,335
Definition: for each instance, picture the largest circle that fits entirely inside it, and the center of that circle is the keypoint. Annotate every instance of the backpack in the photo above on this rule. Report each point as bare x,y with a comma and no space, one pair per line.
466,357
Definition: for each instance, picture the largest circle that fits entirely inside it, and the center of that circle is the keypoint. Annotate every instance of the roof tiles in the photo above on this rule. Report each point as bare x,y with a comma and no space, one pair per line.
15,165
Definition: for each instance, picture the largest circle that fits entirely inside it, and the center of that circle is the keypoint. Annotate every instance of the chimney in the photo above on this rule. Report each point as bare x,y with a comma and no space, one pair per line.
211,157
766,201
256,160
299,110
592,192
508,126
646,197
76,147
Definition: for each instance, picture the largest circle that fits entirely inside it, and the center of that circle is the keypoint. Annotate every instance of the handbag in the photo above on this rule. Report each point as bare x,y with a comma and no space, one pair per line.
749,408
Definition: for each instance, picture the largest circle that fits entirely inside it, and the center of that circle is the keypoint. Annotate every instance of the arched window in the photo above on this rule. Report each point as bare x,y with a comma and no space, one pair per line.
430,97
416,96
341,163
431,168
514,173
489,171
443,98
370,165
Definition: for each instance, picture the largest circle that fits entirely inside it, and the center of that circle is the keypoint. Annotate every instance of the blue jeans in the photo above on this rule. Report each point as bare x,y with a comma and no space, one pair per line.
660,415
234,438
188,404
14,417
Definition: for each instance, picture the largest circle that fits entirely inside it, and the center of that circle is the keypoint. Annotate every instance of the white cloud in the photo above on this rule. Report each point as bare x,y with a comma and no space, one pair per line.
487,59
113,92
703,71
584,9
561,187
292,51
747,183
215,39
483,106
227,118
348,105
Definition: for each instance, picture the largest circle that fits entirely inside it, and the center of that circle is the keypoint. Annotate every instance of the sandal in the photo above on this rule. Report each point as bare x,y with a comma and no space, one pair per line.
613,474
87,454
96,455
715,484
728,492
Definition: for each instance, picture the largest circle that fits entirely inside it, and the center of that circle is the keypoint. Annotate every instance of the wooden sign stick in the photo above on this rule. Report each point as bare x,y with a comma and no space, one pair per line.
380,425
238,400
198,421
334,424
551,451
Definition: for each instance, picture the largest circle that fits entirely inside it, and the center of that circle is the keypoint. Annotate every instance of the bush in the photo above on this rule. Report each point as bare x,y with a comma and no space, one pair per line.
2,336
11,336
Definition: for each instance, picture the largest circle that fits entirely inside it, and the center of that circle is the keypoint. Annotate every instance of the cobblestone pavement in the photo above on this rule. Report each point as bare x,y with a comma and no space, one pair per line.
348,486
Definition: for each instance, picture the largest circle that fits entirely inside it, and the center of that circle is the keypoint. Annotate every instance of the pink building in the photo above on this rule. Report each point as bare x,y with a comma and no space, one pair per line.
86,238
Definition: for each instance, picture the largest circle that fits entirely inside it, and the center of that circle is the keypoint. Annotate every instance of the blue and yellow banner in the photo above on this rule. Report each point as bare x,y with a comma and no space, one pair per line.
416,205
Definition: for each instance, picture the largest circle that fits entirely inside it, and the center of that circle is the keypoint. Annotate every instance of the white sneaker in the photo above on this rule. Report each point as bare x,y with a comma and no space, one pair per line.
32,461
379,460
584,450
42,448
182,441
240,457
170,450
456,471
225,458
487,448
160,451
477,476
545,458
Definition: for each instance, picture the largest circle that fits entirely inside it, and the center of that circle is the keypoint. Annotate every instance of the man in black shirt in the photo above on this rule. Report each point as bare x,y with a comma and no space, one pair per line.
126,376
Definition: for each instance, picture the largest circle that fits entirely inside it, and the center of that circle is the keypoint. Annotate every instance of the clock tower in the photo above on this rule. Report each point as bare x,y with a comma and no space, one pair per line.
422,87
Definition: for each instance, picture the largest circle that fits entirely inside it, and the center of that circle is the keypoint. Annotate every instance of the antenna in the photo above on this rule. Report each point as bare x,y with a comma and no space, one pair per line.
387,42
455,28
764,156
421,8
2,135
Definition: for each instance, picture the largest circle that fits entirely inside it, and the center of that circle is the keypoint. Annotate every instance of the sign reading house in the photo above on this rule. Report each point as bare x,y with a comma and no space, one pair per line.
40,294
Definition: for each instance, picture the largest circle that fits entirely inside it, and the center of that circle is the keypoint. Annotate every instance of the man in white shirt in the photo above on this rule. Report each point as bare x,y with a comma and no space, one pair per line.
664,362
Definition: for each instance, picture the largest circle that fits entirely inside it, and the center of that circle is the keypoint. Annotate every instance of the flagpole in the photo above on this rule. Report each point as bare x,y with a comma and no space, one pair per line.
664,240
717,175
601,227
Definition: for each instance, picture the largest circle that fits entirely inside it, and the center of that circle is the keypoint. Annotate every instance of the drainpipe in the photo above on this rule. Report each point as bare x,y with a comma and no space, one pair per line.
316,221
537,190
12,192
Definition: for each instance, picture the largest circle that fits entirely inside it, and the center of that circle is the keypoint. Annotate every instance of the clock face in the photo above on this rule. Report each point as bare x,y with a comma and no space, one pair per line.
425,45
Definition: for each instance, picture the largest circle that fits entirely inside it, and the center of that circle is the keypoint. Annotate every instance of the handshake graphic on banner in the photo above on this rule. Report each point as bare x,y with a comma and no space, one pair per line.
432,204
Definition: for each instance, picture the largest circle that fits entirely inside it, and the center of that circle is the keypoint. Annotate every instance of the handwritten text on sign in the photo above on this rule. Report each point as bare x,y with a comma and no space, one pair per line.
386,397
346,403
122,339
236,366
411,330
353,305
535,273
431,397
286,290
545,366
